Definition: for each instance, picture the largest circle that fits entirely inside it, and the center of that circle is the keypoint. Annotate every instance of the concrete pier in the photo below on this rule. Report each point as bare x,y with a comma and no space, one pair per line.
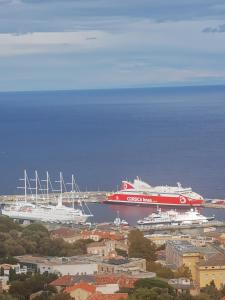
177,227
92,197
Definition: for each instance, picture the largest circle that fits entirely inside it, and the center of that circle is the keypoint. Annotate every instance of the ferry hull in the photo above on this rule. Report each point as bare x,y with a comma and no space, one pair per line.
147,200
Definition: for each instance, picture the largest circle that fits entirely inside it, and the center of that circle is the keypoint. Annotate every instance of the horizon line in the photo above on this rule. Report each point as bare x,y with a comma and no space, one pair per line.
114,88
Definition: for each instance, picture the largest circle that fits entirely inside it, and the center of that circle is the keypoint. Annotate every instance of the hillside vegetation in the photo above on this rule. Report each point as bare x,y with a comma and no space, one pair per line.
33,239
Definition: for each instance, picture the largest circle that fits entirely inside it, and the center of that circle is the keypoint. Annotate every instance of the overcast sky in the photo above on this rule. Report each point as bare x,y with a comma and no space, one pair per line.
83,44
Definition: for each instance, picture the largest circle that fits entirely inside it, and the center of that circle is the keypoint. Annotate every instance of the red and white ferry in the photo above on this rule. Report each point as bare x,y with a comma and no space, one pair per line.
141,193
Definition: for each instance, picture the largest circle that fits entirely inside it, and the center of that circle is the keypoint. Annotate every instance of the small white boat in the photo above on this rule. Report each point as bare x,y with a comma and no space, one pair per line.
120,222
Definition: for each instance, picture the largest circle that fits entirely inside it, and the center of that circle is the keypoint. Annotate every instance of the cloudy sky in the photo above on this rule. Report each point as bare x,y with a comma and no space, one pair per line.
83,44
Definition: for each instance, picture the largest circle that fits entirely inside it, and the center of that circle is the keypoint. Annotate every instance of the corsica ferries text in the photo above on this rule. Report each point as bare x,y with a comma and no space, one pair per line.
138,199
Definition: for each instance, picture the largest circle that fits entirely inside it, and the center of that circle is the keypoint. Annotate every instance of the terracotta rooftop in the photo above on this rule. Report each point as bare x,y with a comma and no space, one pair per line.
217,259
82,285
122,280
111,235
66,280
69,280
99,296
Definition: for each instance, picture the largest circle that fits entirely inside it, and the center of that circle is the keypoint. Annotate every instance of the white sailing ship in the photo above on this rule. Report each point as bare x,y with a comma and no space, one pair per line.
26,210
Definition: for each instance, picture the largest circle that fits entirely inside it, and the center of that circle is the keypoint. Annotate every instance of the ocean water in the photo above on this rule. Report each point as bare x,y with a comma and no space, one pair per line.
163,135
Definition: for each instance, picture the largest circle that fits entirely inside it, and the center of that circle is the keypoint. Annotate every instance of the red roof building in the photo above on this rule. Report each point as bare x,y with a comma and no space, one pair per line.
62,282
80,291
99,296
122,280
83,286
69,235
97,235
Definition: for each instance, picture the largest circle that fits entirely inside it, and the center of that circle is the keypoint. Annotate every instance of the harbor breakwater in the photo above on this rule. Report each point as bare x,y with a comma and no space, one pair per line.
68,197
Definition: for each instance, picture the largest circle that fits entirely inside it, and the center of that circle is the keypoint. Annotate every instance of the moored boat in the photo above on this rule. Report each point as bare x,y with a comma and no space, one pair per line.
120,222
27,211
173,217
139,192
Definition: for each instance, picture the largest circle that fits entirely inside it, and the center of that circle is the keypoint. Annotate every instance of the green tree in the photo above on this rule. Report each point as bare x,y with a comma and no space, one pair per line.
36,227
185,295
3,252
2,271
12,274
202,296
160,270
29,246
211,291
14,233
222,291
7,297
37,282
152,283
183,271
34,239
144,294
61,296
8,260
52,296
19,289
121,252
7,224
141,247
13,247
165,297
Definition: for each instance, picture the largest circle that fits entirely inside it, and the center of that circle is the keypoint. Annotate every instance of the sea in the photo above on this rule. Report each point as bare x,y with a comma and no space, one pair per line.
163,135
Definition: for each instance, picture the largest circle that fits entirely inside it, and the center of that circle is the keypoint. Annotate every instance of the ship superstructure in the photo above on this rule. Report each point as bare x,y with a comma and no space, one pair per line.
141,193
32,209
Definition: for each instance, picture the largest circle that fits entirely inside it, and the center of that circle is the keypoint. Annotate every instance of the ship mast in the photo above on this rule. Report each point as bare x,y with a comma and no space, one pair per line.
46,189
36,186
60,181
72,184
72,188
47,184
25,185
61,184
36,180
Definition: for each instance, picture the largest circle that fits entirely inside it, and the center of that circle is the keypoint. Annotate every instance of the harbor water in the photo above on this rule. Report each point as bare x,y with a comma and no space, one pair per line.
107,212
162,135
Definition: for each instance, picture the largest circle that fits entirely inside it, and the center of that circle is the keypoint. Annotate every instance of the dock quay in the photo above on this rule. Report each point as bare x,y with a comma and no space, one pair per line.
213,205
146,228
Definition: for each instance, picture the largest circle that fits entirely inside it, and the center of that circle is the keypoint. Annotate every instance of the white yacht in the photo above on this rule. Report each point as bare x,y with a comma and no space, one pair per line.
173,217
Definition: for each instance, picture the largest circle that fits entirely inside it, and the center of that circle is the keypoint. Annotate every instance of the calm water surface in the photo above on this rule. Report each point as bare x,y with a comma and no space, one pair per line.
163,135
107,213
